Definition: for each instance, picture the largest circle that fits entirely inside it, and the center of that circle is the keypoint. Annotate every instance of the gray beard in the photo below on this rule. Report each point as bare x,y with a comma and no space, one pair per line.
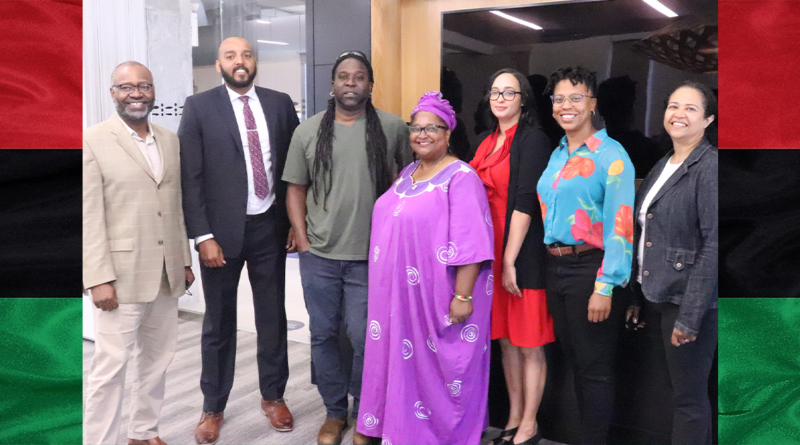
134,116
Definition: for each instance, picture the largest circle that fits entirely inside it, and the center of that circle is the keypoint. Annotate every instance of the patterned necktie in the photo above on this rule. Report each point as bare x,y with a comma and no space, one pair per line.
256,158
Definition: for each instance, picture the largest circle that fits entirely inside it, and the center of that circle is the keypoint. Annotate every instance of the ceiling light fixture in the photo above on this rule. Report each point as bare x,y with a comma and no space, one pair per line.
655,4
271,42
265,22
516,20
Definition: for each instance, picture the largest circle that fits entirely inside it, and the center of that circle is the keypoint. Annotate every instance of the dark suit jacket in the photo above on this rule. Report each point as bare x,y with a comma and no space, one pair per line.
529,154
213,170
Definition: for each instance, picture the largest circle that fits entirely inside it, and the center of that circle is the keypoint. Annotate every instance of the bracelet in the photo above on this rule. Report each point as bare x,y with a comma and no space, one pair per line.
463,297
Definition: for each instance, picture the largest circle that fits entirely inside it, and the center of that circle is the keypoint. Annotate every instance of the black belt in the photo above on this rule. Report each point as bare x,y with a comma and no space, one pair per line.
569,250
249,218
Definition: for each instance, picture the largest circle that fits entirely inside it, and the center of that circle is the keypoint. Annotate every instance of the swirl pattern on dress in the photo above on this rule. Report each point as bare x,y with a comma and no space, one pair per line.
430,344
374,330
490,285
447,321
446,253
488,218
408,349
421,412
399,208
446,185
370,421
385,441
454,388
376,251
469,333
412,275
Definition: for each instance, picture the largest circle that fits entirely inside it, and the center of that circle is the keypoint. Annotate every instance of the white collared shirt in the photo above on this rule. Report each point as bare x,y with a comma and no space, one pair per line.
149,149
255,205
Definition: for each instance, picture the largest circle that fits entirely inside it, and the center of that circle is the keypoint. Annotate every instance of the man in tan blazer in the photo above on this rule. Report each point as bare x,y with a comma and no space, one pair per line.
136,259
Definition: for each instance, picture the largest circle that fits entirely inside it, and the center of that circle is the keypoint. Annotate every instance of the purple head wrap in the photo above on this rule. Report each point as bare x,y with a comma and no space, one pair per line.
432,101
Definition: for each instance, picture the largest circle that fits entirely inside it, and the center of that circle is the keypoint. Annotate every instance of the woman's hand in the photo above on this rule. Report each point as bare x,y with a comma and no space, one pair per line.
679,338
460,310
599,307
632,317
510,280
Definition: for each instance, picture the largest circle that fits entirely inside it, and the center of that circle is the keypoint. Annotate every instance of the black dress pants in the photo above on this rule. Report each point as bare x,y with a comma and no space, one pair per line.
264,252
589,347
689,370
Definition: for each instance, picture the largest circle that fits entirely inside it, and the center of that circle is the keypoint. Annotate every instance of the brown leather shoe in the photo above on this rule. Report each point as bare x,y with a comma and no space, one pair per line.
280,419
360,439
207,431
332,431
154,441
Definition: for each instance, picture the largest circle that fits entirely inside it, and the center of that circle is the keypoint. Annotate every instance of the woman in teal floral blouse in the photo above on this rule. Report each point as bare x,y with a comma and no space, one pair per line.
586,193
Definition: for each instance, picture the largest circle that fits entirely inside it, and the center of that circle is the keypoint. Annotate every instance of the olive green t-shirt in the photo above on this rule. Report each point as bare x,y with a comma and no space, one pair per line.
342,231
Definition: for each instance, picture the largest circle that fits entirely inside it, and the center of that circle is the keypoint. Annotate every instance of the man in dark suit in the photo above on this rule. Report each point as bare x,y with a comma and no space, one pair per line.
234,140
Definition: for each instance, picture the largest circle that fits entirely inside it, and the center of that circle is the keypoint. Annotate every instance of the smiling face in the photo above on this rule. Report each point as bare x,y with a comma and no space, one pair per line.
237,63
573,117
133,106
684,119
506,111
429,146
351,86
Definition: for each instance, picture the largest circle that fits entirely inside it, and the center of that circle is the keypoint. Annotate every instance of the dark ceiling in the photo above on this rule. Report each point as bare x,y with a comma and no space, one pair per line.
571,20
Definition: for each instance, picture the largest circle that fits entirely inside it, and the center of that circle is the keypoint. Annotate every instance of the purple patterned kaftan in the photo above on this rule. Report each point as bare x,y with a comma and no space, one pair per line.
426,380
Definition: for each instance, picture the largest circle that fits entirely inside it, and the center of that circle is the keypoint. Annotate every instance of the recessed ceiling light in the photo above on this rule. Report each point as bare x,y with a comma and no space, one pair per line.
516,20
265,22
271,42
661,8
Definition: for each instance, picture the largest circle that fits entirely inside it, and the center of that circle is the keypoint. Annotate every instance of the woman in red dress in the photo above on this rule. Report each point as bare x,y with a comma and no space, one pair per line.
510,161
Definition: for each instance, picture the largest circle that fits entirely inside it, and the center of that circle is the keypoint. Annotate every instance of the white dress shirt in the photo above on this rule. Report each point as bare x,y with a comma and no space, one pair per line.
149,149
255,205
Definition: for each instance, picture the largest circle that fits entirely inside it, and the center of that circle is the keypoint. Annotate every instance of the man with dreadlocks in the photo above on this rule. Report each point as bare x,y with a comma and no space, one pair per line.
345,155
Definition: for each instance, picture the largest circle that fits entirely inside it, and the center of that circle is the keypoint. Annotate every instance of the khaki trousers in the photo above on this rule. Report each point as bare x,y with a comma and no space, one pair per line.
146,332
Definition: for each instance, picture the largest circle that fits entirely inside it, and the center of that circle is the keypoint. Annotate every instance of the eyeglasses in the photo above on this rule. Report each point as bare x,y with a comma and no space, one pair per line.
430,129
144,88
574,98
352,53
507,94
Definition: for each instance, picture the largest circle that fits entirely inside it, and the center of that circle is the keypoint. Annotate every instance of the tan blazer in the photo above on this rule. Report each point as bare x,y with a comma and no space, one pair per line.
132,223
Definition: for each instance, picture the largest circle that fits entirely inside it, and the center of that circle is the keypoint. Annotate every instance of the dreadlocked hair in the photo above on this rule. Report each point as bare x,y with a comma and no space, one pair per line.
379,171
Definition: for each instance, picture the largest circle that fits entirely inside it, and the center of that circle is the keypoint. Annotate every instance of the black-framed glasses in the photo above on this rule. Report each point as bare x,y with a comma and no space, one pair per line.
507,94
352,53
573,98
430,129
127,88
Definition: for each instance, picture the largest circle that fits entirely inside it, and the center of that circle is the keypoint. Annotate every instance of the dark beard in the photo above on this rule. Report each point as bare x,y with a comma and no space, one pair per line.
229,79
137,117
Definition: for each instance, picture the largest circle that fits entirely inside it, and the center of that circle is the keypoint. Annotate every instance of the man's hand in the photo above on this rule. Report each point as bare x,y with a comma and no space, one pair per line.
680,338
211,254
460,310
291,246
104,297
301,242
599,307
189,277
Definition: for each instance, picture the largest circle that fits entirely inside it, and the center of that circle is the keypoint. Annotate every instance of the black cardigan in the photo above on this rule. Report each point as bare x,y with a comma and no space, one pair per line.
529,154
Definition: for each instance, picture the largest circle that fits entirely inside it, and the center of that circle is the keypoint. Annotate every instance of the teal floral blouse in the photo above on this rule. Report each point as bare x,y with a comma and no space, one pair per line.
587,197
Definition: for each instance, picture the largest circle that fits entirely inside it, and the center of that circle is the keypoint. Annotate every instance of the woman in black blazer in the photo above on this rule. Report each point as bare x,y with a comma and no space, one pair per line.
510,161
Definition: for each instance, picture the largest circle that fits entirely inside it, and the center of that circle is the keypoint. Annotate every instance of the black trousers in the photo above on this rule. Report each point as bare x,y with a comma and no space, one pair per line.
265,255
589,347
689,368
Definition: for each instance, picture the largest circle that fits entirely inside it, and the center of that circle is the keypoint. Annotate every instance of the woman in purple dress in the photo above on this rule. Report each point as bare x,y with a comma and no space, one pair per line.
426,362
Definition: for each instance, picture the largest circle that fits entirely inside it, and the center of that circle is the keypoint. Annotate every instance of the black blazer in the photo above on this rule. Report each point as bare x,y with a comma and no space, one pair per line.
213,169
529,154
